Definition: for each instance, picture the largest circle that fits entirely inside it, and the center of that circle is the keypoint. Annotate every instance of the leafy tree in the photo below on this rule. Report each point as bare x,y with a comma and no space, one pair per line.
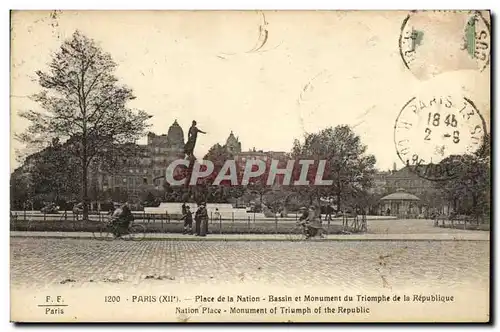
347,164
83,102
51,174
469,190
20,189
258,186
119,195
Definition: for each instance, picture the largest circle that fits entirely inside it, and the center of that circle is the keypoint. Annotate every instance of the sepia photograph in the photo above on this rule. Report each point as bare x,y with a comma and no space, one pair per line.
250,166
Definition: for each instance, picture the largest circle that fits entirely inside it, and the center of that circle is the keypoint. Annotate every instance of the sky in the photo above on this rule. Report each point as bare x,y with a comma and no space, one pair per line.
315,70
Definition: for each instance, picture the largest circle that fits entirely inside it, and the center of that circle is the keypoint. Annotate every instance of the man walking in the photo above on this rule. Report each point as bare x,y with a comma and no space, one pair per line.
188,221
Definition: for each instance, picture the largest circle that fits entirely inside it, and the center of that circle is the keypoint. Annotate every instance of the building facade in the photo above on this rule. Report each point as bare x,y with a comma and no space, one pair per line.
145,171
233,144
408,180
380,182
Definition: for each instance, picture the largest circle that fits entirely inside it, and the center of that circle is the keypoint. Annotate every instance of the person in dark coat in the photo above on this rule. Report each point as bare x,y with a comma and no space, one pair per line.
122,217
188,221
197,221
191,142
329,212
313,223
201,219
303,218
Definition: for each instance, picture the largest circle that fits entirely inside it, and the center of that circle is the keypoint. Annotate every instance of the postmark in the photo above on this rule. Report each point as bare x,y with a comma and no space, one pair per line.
434,42
430,129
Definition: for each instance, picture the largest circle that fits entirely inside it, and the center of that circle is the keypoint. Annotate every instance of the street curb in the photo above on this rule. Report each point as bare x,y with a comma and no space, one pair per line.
212,239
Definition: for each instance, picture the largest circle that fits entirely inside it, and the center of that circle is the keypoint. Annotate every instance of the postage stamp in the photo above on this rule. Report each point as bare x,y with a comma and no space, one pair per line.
250,166
433,42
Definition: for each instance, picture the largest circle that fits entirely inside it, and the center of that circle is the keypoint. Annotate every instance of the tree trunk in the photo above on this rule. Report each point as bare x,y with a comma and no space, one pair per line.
338,202
85,196
318,202
474,208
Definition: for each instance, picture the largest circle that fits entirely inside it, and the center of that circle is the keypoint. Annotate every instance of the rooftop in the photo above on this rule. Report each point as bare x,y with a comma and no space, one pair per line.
400,195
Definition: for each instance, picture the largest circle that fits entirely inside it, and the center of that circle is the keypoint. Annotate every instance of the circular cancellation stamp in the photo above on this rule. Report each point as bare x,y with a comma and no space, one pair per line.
430,129
438,41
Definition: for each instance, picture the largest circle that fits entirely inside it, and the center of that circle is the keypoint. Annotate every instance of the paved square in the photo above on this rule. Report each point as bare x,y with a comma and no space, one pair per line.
39,262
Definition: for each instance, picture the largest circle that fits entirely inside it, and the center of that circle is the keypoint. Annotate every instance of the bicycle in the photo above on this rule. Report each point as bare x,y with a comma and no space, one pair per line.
107,229
298,233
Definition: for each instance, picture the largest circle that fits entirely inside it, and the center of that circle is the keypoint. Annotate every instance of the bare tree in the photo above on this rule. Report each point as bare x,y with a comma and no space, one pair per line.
82,101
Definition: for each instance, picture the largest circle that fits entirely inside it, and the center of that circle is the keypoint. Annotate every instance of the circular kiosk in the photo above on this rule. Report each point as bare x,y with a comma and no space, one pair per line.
400,203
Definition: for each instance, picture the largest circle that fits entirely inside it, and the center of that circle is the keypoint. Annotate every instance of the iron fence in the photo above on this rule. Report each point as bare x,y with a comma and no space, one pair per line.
172,223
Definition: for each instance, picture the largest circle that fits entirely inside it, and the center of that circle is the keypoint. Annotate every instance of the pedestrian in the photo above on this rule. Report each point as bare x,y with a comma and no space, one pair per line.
329,212
313,223
217,215
188,221
197,221
204,220
201,219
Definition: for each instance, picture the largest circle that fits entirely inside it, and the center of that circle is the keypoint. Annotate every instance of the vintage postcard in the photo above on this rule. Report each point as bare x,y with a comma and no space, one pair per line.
250,166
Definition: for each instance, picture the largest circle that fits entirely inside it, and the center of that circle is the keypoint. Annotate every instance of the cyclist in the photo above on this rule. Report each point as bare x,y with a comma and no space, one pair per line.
311,223
303,220
122,217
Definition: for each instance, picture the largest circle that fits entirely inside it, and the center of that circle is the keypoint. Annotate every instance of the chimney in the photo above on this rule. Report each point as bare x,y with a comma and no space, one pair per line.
394,167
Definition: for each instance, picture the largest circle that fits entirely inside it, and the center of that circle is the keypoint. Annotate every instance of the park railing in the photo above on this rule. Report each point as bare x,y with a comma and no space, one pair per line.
466,222
226,223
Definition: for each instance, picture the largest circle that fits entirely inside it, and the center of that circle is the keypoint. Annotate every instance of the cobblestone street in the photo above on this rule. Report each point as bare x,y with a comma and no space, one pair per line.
39,262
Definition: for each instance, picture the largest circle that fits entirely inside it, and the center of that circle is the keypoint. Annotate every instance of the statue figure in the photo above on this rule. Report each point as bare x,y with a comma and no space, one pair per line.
191,141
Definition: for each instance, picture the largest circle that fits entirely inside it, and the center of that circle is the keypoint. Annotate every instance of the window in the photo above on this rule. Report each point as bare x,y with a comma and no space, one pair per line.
145,180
